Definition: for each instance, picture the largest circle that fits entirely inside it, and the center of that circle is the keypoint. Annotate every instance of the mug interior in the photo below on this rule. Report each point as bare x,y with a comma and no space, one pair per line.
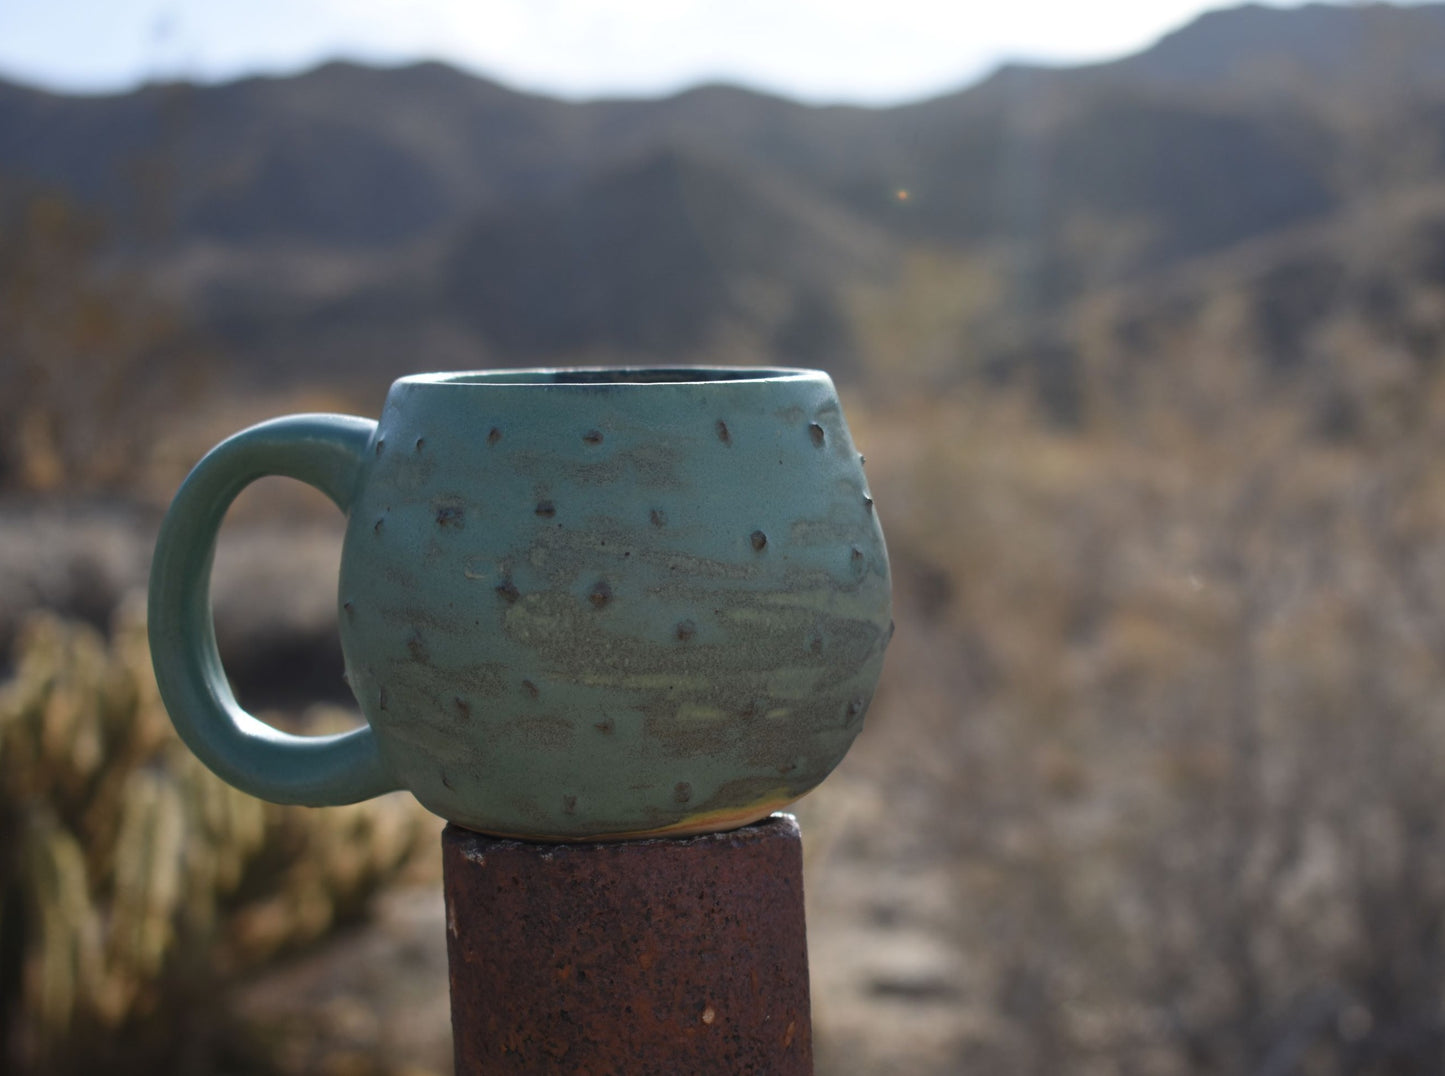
610,375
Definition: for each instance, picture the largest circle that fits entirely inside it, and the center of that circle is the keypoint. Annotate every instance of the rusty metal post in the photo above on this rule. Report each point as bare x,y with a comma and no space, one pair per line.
669,956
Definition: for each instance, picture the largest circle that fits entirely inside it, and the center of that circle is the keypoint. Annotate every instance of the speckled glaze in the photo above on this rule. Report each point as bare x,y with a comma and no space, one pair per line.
574,604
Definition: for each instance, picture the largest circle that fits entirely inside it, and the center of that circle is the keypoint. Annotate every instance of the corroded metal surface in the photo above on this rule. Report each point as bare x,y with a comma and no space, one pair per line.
669,957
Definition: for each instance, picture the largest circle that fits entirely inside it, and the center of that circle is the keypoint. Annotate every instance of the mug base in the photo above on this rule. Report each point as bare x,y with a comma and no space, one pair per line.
719,821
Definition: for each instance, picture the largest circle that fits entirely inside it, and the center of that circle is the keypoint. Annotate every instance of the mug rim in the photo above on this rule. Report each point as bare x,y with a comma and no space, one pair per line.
613,377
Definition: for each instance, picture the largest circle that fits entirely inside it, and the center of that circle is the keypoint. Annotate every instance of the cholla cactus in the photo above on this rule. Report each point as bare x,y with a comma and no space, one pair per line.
133,883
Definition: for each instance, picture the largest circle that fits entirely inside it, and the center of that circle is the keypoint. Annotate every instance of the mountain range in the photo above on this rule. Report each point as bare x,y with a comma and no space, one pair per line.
354,222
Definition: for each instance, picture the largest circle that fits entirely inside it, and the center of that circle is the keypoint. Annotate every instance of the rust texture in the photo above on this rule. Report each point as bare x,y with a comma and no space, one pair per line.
666,956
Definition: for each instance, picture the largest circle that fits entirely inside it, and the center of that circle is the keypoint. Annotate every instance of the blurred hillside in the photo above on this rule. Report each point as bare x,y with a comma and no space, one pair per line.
334,224
1146,359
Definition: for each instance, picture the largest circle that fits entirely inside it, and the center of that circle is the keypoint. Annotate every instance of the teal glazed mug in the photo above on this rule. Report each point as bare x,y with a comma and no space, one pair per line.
574,604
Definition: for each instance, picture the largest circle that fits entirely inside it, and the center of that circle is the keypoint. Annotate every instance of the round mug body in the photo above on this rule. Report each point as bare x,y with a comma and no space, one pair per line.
580,604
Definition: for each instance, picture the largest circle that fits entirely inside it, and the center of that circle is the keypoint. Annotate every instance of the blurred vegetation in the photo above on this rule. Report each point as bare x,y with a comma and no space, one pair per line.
135,887
1166,692
91,358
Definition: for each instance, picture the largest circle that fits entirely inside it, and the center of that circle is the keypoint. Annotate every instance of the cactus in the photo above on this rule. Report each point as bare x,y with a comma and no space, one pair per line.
135,885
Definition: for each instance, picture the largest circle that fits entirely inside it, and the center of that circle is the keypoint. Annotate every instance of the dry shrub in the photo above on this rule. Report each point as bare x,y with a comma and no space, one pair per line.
92,361
1165,697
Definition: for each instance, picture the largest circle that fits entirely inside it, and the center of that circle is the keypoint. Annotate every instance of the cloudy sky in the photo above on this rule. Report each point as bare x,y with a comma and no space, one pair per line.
817,50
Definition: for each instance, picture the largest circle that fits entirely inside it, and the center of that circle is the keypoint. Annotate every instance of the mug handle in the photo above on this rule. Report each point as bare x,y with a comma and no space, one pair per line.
324,451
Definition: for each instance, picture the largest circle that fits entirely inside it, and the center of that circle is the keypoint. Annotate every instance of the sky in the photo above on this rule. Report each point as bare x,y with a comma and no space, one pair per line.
821,51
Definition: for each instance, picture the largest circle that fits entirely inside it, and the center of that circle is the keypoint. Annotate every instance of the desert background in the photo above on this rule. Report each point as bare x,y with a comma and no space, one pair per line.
1147,358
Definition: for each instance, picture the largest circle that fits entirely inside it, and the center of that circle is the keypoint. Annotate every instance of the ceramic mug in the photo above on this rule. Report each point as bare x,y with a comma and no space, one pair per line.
574,604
